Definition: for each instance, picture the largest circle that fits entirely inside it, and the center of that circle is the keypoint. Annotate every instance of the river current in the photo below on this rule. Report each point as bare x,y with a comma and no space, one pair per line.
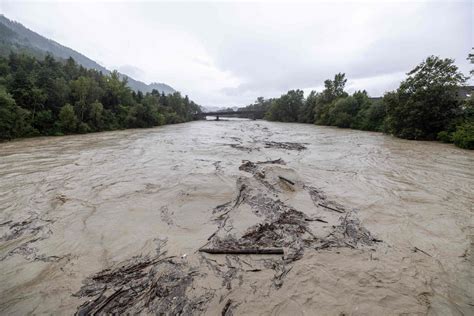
73,206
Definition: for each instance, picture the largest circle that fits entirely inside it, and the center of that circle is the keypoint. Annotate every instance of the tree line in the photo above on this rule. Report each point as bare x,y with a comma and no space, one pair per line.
56,97
426,106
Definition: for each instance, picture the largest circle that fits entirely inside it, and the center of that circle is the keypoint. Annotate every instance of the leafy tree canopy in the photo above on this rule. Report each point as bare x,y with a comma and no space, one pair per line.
50,97
426,102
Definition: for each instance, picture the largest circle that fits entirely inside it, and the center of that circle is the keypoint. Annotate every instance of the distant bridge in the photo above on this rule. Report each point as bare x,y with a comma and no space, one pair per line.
242,114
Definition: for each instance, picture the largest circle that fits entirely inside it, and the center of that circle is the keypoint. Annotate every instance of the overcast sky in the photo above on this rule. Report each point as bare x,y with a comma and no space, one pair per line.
229,53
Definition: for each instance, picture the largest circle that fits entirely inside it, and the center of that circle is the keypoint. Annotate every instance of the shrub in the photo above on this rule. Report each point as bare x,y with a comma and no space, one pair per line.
83,128
68,119
445,137
463,137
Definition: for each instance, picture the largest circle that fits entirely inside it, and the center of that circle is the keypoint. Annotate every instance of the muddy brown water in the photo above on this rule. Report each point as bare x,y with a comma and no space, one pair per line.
73,206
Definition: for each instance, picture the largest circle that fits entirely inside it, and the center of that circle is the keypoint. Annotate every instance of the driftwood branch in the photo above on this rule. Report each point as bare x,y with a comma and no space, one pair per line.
276,161
213,234
244,251
226,308
315,220
286,180
110,299
415,249
330,208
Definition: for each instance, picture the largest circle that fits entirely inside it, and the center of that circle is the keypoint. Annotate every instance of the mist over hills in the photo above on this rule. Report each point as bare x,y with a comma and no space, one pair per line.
19,39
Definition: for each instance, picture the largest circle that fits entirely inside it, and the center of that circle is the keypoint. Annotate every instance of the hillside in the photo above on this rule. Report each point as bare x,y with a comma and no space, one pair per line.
19,39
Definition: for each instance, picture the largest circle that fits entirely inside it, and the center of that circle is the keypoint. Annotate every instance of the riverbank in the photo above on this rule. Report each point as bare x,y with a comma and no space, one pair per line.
77,205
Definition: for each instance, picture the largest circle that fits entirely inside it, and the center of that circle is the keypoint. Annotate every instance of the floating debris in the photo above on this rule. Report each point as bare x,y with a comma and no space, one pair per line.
280,234
242,147
282,229
285,145
155,285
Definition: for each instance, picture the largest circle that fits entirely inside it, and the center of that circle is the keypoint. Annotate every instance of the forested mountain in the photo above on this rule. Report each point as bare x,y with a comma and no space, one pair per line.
44,96
19,39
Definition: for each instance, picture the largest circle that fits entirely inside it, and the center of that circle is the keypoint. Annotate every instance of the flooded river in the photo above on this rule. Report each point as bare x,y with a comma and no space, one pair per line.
369,224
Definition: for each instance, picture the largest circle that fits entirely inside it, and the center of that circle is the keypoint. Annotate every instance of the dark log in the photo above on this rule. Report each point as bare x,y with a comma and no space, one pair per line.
226,308
244,251
315,220
285,179
331,208
415,249
213,234
276,161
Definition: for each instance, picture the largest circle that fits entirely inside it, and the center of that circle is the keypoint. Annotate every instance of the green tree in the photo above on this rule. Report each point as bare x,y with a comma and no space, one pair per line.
464,135
84,91
95,115
470,57
287,107
426,102
333,89
13,119
116,92
342,111
44,122
25,93
306,114
41,87
371,117
67,119
57,94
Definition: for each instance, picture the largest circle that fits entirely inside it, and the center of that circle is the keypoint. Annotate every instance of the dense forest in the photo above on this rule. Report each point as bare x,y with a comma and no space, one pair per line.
56,97
426,106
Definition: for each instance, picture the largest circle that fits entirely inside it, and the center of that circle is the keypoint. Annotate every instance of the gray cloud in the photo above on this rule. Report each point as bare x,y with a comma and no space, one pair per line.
228,54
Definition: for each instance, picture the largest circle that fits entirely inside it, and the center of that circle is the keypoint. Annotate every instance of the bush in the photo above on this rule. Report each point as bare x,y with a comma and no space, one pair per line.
44,121
342,111
445,137
67,119
173,118
83,128
463,137
14,120
287,107
371,117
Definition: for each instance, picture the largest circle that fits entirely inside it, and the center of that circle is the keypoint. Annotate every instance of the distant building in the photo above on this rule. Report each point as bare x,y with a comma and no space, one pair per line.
465,92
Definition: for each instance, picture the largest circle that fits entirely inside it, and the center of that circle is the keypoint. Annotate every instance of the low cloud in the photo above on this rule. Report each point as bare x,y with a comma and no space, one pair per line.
132,71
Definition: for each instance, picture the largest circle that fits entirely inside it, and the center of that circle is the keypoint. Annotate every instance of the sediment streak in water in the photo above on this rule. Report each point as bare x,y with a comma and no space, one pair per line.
142,202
